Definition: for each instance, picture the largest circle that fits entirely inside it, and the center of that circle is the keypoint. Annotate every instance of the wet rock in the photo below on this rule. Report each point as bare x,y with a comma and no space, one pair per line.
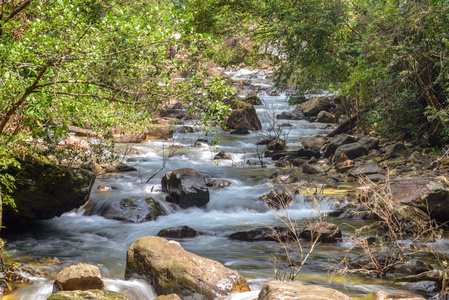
297,162
353,212
45,190
372,260
284,178
291,115
253,99
308,153
168,297
277,144
223,155
163,129
394,151
217,183
89,294
313,106
325,117
170,269
277,290
243,116
423,286
283,163
172,113
186,188
333,144
179,232
310,169
277,155
412,267
262,234
78,277
366,169
325,232
425,194
240,131
135,210
352,151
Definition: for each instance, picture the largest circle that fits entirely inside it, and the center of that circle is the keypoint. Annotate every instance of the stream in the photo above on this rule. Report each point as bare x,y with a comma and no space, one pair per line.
74,237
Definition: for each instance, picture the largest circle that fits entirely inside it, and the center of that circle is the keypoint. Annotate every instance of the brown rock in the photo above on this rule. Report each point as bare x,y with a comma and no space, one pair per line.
325,232
168,297
313,106
171,269
277,290
243,116
78,277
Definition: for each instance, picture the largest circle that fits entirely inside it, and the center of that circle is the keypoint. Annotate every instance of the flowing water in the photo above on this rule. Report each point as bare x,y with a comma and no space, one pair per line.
75,238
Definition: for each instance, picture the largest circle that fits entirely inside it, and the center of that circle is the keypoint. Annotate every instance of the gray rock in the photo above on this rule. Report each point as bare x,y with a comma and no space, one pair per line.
291,115
134,210
352,151
277,290
366,169
179,232
313,106
324,232
423,286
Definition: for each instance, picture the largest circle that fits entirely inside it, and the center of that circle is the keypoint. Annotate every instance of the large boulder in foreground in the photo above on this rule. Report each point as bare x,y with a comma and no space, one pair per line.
186,187
423,193
45,191
78,277
90,294
171,269
277,290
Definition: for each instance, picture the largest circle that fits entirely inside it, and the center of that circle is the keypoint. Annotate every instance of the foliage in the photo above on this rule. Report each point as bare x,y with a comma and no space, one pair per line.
93,64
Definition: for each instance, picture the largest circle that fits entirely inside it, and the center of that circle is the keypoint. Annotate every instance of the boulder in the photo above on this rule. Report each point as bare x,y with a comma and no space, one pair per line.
163,129
333,144
352,151
309,168
279,198
243,116
45,191
135,210
308,153
325,117
325,232
291,115
171,269
313,106
314,143
394,151
78,277
423,193
110,167
90,294
217,183
262,234
179,232
277,144
366,169
369,142
344,164
277,155
186,188
223,155
277,290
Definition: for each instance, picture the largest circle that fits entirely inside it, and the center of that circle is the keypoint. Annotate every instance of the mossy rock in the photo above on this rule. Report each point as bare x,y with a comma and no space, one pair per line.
90,294
45,190
135,210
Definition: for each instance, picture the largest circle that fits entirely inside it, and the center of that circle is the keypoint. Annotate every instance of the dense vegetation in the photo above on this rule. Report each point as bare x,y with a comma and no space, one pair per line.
101,64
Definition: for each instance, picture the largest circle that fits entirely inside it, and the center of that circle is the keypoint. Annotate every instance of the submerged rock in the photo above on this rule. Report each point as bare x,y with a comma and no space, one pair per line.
277,290
78,277
186,188
171,269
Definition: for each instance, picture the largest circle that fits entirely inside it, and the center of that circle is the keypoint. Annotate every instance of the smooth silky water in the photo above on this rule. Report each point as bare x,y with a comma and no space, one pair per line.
75,238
